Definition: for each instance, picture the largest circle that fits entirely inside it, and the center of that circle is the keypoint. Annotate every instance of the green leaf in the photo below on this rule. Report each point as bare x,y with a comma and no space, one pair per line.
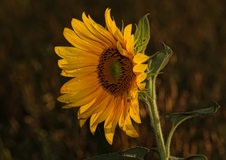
160,60
142,35
136,153
196,157
193,157
177,118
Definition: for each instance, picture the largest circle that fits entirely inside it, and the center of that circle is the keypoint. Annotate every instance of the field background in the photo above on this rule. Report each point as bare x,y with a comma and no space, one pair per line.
32,124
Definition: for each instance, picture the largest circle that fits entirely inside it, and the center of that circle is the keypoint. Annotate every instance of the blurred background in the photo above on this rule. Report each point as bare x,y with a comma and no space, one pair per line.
32,124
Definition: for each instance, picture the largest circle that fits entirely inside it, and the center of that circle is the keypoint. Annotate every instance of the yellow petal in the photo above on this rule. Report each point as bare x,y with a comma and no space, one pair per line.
101,115
72,52
140,58
104,113
134,110
81,98
129,129
130,44
124,113
84,108
80,43
66,98
112,120
77,63
121,120
118,35
88,33
127,31
141,77
79,83
93,127
139,68
141,86
97,32
82,122
79,72
111,25
123,51
75,58
100,104
101,30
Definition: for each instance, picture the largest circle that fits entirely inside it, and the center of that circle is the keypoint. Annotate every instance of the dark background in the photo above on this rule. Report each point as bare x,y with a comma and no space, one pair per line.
33,125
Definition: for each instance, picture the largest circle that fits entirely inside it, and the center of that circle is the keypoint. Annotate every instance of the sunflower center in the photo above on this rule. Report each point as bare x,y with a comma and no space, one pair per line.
115,72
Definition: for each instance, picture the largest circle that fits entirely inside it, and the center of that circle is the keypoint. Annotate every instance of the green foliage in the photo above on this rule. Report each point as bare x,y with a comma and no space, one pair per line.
142,35
161,58
178,118
156,64
136,153
194,157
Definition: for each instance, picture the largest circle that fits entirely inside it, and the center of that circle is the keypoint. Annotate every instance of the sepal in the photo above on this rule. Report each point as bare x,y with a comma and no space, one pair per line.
142,35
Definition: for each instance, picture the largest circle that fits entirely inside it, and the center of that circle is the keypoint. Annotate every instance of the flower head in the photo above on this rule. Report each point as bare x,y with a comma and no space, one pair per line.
107,74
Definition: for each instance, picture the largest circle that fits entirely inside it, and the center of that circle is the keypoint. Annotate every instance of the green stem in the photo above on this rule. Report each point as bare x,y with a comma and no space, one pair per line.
155,120
174,127
168,142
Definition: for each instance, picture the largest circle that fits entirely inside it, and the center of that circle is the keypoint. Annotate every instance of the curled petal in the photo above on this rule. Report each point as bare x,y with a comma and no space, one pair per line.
139,68
140,58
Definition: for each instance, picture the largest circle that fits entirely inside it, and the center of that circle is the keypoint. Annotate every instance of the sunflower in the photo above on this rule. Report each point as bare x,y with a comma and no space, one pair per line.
107,74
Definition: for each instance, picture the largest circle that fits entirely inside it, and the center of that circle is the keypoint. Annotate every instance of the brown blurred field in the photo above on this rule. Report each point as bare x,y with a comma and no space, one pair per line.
32,124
